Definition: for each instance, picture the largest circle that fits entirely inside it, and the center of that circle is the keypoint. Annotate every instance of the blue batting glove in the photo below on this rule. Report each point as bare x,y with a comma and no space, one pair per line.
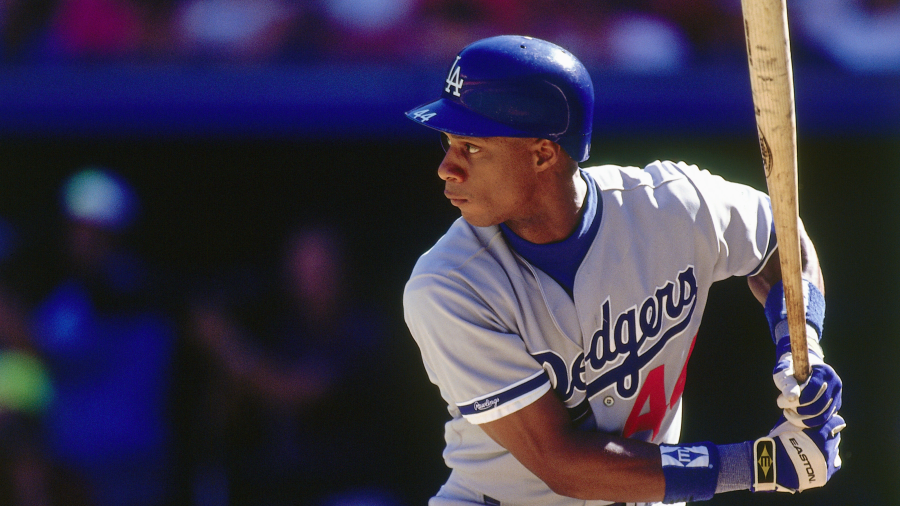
812,403
794,460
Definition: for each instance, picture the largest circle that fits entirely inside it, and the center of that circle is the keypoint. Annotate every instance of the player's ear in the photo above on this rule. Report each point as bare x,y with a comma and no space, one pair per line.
546,153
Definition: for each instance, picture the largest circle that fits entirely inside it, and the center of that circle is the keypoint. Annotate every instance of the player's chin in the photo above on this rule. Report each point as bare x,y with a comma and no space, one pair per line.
478,220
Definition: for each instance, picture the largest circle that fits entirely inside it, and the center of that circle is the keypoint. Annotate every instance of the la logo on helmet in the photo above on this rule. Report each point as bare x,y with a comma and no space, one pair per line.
453,79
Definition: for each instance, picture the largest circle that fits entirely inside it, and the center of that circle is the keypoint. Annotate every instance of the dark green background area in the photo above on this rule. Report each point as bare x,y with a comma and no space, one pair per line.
211,203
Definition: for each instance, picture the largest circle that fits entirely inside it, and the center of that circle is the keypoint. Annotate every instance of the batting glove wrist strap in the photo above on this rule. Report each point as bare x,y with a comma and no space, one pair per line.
691,471
765,470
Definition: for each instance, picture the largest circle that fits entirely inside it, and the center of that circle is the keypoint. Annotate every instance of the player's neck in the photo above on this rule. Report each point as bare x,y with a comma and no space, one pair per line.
557,214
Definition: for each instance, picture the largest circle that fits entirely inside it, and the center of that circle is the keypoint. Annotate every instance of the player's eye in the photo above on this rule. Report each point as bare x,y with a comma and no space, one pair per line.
470,148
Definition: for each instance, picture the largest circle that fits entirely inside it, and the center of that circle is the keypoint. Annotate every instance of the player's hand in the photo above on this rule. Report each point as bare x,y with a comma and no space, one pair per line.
794,460
813,403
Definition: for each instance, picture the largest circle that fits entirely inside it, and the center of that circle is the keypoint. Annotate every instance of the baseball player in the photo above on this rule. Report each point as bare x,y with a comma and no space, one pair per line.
558,314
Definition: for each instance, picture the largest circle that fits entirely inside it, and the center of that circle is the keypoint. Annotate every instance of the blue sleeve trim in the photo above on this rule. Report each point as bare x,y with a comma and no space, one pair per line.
497,399
770,248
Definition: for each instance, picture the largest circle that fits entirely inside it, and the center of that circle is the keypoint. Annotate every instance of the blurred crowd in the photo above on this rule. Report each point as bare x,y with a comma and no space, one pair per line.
634,35
122,384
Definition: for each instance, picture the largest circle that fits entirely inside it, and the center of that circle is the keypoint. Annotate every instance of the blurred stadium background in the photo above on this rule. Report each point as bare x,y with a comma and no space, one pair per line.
235,120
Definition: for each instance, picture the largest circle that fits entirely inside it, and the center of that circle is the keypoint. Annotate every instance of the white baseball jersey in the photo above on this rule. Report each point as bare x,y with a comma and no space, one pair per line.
496,333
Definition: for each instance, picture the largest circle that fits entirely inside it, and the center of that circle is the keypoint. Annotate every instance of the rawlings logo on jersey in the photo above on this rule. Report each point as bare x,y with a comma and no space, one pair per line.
619,343
486,404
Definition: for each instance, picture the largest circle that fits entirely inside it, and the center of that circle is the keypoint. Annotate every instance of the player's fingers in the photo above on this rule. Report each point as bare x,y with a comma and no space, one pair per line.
836,425
786,403
804,420
822,406
820,412
783,377
794,419
823,381
812,391
821,396
810,413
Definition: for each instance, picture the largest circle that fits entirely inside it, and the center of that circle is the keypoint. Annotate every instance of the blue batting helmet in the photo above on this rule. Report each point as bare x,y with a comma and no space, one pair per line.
514,86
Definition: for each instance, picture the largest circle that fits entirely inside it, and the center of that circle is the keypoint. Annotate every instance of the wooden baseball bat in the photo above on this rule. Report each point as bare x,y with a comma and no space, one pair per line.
772,82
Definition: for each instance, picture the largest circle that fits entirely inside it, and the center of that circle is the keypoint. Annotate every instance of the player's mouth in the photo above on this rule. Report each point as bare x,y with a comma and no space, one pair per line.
456,200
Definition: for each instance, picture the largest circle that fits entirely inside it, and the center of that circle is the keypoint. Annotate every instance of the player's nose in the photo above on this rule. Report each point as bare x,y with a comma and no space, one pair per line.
450,170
